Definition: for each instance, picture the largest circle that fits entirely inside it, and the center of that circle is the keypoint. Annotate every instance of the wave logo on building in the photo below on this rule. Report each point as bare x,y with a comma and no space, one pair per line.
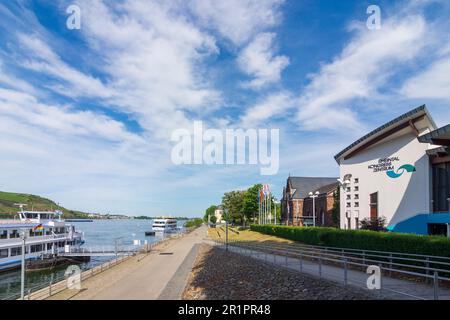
400,171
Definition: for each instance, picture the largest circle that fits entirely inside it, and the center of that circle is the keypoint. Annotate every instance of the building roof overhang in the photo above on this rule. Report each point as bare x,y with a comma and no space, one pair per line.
439,137
404,121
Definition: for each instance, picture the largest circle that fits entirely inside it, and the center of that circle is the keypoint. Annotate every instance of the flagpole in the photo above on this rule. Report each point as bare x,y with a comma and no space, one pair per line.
259,205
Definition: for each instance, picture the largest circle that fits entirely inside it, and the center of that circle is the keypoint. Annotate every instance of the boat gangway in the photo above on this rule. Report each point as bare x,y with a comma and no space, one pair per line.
103,251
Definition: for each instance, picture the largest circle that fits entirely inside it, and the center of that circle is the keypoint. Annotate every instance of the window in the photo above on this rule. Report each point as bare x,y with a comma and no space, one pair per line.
36,248
356,189
349,205
349,197
3,234
356,180
356,196
356,222
441,187
49,246
13,234
374,205
3,253
356,204
349,189
17,251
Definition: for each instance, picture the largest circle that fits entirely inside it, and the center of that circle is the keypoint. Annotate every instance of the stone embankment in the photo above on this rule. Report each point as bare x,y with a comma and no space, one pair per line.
221,275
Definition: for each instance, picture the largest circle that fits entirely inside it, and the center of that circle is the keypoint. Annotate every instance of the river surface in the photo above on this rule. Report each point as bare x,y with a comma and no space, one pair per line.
96,233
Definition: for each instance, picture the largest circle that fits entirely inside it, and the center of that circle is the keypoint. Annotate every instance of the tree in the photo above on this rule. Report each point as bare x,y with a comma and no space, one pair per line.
233,202
251,202
209,212
373,224
213,219
336,211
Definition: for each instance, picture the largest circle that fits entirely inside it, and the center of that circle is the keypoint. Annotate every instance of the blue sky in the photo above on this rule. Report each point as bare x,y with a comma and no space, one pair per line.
86,115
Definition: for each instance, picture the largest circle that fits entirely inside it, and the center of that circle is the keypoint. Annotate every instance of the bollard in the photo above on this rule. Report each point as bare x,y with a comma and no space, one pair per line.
381,281
345,272
301,262
320,267
390,264
436,285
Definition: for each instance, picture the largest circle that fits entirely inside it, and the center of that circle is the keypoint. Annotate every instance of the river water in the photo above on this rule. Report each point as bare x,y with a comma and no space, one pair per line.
96,233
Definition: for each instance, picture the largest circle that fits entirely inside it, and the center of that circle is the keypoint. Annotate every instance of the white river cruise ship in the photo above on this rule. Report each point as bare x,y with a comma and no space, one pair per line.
165,225
45,233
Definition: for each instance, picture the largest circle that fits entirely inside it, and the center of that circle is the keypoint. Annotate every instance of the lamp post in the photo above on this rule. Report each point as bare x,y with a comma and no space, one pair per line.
314,196
226,230
22,273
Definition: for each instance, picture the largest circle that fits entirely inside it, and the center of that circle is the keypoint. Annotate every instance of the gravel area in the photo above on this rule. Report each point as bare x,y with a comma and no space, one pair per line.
221,275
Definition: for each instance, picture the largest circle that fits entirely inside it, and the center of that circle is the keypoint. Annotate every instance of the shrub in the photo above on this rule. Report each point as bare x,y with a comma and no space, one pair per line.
374,224
196,222
361,239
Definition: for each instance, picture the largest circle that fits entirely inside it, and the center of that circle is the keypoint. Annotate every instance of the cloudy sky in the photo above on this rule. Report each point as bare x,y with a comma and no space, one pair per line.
86,115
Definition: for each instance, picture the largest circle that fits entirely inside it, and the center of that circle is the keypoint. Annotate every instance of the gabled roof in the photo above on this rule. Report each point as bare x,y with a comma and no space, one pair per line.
385,129
304,185
328,188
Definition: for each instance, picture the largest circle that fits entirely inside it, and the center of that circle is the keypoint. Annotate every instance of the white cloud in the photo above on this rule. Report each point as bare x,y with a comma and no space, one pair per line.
274,105
364,65
432,83
238,20
260,61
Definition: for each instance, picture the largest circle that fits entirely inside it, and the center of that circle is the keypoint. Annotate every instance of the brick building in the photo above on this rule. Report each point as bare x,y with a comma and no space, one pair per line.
297,206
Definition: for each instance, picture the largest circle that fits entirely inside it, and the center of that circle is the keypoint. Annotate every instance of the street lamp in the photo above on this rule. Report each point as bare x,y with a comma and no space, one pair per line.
226,229
22,273
276,202
314,196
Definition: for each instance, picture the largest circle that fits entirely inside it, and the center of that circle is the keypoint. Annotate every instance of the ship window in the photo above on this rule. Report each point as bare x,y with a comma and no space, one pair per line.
3,253
3,234
17,251
36,248
14,234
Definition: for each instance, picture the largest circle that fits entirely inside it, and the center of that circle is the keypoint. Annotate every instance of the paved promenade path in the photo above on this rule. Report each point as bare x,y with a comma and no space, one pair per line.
161,274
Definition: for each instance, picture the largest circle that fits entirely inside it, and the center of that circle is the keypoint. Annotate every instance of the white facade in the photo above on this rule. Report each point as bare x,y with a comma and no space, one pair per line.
398,198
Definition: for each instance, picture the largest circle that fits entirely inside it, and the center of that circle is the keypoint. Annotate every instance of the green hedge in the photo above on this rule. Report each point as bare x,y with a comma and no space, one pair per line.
361,239
196,222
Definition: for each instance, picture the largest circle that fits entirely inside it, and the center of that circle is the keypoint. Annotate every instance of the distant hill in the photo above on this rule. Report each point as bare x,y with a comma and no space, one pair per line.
33,202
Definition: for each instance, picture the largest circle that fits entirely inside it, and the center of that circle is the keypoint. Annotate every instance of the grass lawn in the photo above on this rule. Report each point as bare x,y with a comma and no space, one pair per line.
218,233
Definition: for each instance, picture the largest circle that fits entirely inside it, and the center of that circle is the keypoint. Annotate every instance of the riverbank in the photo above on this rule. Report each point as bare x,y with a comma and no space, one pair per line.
221,275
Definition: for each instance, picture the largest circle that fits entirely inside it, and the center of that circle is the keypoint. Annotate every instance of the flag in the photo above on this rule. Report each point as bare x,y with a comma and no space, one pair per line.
39,227
261,196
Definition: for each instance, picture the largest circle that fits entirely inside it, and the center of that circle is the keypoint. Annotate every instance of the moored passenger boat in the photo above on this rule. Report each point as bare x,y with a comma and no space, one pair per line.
165,225
46,233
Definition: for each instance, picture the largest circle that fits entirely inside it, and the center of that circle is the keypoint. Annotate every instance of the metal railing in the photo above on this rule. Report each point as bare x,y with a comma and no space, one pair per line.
58,284
420,268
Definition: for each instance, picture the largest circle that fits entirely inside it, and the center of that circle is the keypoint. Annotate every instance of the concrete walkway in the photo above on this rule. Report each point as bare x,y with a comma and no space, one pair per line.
160,274
392,288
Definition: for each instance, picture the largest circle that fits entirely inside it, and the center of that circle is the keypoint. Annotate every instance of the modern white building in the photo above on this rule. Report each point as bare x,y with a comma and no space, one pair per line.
399,171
